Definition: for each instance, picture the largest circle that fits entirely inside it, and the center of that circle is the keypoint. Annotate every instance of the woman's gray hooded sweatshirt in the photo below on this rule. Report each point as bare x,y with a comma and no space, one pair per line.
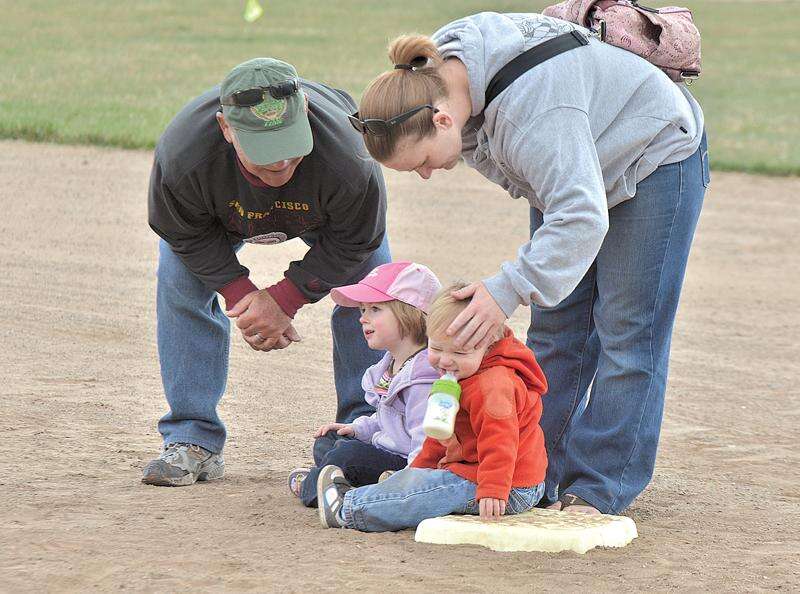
574,136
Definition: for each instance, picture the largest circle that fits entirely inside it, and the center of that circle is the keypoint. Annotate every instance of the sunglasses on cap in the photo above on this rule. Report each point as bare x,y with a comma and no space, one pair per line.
378,127
251,97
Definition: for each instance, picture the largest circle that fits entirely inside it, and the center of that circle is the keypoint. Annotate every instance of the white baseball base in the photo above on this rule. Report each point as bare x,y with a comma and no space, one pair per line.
543,530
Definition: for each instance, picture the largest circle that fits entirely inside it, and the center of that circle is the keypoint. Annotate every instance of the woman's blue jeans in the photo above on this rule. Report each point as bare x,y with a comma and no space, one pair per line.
193,348
613,333
415,494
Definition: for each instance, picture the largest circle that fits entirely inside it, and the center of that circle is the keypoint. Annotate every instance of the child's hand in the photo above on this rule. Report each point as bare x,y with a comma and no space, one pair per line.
340,428
491,509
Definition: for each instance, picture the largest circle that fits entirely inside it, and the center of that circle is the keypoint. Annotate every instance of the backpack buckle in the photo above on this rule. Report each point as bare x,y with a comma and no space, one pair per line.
689,76
600,31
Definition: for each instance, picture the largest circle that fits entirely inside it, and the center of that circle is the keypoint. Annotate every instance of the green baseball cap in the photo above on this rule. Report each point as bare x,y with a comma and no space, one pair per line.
275,129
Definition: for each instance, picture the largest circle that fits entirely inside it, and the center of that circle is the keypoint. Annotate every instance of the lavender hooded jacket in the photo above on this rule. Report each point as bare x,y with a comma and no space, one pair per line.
396,424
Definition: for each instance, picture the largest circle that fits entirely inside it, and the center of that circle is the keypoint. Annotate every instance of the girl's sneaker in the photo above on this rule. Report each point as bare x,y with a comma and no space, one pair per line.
296,478
331,487
385,475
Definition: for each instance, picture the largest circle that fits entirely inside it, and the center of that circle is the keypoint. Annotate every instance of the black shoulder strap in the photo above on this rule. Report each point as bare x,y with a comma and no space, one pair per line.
527,60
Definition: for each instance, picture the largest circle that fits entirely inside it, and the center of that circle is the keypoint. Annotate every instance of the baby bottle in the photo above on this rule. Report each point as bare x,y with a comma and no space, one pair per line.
440,416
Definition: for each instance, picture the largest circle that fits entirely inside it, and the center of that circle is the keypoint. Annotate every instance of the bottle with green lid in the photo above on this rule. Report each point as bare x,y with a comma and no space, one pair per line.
440,416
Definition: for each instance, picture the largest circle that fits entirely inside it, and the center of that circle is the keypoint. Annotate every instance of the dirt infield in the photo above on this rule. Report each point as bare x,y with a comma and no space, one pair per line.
81,394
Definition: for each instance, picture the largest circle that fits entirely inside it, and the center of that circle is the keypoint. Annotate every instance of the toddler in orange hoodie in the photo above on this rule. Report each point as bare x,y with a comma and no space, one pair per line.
495,462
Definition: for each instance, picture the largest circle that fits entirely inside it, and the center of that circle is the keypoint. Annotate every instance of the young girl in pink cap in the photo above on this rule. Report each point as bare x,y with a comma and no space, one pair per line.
393,299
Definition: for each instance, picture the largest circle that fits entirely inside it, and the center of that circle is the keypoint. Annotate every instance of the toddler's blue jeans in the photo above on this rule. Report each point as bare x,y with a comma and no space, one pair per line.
415,494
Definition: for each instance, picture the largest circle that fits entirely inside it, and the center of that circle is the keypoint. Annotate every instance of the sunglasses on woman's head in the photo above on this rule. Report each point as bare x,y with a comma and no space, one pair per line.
251,97
378,127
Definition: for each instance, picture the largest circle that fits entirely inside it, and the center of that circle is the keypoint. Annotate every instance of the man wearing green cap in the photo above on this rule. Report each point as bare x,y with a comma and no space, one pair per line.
263,158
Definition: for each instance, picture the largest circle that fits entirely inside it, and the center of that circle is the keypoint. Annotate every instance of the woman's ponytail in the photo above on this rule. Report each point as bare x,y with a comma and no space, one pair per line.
414,80
416,51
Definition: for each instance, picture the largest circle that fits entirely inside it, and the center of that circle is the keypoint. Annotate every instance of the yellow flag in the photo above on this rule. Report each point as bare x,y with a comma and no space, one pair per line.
252,11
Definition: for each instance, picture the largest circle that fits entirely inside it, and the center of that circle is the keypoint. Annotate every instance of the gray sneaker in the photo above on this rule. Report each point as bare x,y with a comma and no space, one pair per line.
331,487
182,464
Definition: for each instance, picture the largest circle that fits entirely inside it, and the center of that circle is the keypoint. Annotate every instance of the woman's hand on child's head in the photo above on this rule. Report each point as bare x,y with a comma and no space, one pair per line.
492,509
340,428
478,324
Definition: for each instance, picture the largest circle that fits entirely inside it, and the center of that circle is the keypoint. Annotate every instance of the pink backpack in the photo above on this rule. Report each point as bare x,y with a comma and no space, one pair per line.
666,37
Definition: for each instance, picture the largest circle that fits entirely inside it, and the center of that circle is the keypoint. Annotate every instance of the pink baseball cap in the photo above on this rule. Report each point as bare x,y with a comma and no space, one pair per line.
408,282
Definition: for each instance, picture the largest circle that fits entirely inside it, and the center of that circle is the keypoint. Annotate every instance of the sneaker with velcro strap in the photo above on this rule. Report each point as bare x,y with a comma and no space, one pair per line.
331,488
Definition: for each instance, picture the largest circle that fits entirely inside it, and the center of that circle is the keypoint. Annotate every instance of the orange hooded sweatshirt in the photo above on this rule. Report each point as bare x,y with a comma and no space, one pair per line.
497,442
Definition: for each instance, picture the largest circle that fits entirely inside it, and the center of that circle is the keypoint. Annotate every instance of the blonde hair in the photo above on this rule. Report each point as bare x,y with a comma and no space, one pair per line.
445,308
410,319
400,90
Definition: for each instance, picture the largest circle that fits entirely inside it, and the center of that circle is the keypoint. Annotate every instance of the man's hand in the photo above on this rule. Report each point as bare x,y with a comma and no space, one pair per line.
491,509
263,323
340,428
478,324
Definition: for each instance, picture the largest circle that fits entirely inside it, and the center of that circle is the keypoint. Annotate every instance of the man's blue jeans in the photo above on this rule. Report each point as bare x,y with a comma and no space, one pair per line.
362,464
194,342
614,332
415,494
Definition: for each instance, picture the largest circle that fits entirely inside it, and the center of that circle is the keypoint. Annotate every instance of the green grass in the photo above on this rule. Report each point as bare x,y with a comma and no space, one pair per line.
112,73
